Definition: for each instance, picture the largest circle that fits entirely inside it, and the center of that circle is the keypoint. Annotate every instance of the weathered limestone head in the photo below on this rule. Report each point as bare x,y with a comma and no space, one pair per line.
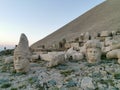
22,55
93,51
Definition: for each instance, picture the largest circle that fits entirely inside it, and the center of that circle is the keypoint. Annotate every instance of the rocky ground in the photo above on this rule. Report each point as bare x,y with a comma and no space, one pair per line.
73,75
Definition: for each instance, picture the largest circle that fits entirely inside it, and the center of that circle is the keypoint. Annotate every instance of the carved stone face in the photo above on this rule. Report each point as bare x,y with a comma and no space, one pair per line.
22,55
21,63
93,55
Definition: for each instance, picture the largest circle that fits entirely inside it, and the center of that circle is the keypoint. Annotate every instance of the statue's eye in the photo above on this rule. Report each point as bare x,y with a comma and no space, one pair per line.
19,58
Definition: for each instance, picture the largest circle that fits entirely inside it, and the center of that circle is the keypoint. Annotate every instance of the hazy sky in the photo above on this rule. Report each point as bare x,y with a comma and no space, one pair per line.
37,18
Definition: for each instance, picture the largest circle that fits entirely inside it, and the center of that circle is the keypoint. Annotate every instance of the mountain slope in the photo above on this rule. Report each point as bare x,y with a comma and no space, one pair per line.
105,16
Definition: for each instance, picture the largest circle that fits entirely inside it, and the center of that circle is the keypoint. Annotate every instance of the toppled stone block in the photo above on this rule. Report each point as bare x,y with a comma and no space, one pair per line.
53,58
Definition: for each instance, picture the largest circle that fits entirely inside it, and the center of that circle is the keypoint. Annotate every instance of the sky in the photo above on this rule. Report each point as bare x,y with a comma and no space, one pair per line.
37,18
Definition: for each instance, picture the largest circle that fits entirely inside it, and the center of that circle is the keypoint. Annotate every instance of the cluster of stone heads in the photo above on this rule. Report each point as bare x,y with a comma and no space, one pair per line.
91,51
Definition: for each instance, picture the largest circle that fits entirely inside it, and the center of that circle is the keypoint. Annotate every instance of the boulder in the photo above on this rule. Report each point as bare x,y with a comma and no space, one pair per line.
87,83
86,36
35,57
119,61
77,56
70,52
74,44
46,57
53,58
108,41
115,46
67,45
56,59
118,55
74,54
114,33
105,34
83,50
107,49
9,59
112,54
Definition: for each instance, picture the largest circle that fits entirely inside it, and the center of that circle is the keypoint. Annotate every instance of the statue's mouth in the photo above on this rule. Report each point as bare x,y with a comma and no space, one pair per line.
93,57
17,64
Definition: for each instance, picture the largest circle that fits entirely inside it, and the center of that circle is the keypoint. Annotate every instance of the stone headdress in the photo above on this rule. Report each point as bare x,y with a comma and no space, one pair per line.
23,47
93,44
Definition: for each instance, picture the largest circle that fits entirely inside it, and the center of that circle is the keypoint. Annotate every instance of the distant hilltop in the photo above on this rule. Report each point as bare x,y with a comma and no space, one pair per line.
6,47
105,16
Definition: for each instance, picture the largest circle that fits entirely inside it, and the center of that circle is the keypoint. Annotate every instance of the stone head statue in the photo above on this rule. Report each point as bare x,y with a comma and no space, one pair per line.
22,55
93,51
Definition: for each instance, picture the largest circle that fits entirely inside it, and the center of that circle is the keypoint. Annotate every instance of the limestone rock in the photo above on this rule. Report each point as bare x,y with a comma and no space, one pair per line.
115,46
112,54
81,37
69,53
74,44
73,54
53,58
46,57
114,33
35,57
86,83
118,56
83,50
77,56
119,61
9,59
111,44
86,36
57,58
67,45
106,49
105,33
108,41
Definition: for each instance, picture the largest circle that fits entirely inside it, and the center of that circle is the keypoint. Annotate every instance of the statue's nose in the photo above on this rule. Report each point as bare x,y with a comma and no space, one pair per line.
93,53
17,60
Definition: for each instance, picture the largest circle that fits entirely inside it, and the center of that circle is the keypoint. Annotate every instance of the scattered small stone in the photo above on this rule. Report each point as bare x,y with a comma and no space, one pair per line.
52,82
87,83
6,85
70,83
